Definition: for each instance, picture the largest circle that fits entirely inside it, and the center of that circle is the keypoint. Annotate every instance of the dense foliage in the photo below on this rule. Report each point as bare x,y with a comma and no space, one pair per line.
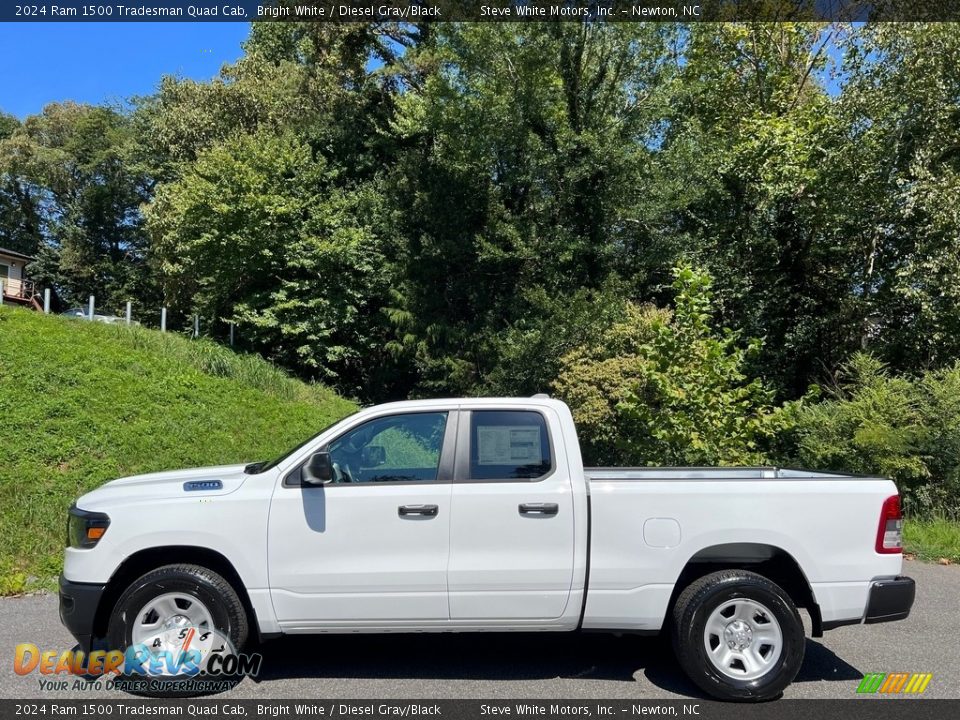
668,389
907,429
493,208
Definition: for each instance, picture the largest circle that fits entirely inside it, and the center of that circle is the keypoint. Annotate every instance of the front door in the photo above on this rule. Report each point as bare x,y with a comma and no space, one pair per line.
371,547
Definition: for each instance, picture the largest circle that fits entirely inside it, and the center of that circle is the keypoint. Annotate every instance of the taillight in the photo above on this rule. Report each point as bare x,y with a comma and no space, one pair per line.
890,532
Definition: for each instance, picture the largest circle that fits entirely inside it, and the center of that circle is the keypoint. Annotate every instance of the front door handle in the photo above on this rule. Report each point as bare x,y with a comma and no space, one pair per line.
539,508
428,510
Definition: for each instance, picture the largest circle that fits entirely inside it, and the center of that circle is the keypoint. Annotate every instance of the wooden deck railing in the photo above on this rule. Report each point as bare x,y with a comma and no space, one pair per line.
18,288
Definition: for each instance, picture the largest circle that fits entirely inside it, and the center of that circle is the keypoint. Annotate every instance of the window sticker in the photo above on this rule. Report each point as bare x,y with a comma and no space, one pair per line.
508,445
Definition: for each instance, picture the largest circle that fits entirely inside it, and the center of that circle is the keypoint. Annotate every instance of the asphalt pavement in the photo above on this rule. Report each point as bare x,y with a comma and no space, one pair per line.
543,665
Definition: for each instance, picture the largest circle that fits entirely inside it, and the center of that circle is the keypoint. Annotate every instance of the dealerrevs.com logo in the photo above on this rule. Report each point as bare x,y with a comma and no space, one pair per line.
894,683
188,658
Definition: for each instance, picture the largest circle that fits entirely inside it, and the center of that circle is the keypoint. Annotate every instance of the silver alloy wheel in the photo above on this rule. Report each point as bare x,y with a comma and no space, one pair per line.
743,639
163,624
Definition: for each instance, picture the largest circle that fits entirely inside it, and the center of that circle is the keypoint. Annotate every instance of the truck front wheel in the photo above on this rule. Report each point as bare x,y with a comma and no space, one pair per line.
738,636
172,623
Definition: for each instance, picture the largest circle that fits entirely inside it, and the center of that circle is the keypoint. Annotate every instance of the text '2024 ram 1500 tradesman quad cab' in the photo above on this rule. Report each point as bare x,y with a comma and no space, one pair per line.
477,515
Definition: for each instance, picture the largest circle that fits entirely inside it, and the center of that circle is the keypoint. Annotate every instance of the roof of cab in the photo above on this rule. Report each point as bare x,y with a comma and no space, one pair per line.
536,401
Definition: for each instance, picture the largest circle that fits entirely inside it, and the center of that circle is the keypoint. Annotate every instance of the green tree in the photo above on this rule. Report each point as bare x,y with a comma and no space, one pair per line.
669,389
529,353
257,233
185,117
520,151
19,213
901,427
901,109
269,211
72,165
751,134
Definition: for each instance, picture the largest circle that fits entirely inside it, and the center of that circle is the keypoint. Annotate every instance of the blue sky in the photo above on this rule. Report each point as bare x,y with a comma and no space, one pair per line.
105,62
110,62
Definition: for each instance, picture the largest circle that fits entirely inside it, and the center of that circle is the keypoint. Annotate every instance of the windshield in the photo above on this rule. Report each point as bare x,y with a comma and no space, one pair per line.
258,467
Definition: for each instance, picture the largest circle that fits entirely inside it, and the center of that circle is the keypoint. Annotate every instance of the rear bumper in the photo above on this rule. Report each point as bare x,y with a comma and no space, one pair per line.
78,608
890,600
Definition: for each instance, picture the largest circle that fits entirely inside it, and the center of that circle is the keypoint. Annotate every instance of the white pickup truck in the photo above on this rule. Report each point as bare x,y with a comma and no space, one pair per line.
477,515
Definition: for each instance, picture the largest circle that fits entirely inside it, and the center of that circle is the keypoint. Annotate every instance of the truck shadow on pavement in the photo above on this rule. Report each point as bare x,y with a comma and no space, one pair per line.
504,657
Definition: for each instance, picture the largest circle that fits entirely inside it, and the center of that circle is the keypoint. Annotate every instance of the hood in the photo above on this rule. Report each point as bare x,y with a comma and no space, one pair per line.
224,479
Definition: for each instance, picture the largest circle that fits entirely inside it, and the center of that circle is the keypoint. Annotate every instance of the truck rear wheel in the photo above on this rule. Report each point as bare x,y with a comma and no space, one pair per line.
176,618
738,636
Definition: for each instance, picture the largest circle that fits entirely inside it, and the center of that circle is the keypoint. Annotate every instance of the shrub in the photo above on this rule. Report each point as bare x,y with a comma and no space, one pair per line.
664,388
907,429
527,354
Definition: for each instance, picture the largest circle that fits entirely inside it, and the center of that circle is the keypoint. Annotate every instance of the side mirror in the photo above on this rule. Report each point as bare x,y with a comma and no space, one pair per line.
318,470
373,456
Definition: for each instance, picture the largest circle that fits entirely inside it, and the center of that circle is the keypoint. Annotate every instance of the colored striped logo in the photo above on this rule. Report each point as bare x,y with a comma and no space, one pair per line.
892,683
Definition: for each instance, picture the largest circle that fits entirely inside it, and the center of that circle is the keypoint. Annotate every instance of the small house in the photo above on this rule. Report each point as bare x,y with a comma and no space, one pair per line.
17,287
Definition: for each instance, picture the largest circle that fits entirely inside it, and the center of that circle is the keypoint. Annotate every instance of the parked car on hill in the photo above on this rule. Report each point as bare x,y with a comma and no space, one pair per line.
84,314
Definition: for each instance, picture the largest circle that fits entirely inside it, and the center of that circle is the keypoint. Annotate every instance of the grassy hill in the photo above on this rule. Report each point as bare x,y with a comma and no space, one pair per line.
82,403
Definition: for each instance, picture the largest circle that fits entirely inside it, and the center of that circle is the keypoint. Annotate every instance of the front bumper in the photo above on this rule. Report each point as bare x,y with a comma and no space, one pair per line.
78,609
890,600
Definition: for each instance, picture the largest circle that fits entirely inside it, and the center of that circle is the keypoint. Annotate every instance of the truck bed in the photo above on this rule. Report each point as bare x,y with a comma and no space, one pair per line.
648,523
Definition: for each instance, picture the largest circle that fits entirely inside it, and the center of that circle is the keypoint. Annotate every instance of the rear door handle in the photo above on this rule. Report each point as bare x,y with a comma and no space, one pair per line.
429,510
539,508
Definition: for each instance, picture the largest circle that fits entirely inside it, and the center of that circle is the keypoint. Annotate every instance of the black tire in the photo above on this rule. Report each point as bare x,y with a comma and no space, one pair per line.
694,607
216,593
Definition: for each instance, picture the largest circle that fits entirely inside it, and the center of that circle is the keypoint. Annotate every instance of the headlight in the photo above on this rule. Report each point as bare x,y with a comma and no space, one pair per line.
85,528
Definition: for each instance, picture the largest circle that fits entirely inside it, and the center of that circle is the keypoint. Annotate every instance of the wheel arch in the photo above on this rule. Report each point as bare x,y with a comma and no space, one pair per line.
147,559
770,561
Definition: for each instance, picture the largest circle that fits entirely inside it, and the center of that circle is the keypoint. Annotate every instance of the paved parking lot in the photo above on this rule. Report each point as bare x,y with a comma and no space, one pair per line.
542,665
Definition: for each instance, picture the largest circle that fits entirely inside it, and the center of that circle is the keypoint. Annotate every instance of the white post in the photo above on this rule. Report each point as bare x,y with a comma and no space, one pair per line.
231,334
46,301
163,319
129,312
196,326
90,309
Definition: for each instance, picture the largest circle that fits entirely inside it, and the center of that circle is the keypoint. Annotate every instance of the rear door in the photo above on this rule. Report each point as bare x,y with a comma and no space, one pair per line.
512,519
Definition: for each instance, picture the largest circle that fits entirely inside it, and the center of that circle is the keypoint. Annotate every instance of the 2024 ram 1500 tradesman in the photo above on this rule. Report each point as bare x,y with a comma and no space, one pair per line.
478,515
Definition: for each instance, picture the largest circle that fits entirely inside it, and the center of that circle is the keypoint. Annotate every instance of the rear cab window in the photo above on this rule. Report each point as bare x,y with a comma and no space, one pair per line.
509,445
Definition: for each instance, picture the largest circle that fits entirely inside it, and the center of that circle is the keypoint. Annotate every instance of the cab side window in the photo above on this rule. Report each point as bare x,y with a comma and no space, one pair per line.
509,445
396,448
